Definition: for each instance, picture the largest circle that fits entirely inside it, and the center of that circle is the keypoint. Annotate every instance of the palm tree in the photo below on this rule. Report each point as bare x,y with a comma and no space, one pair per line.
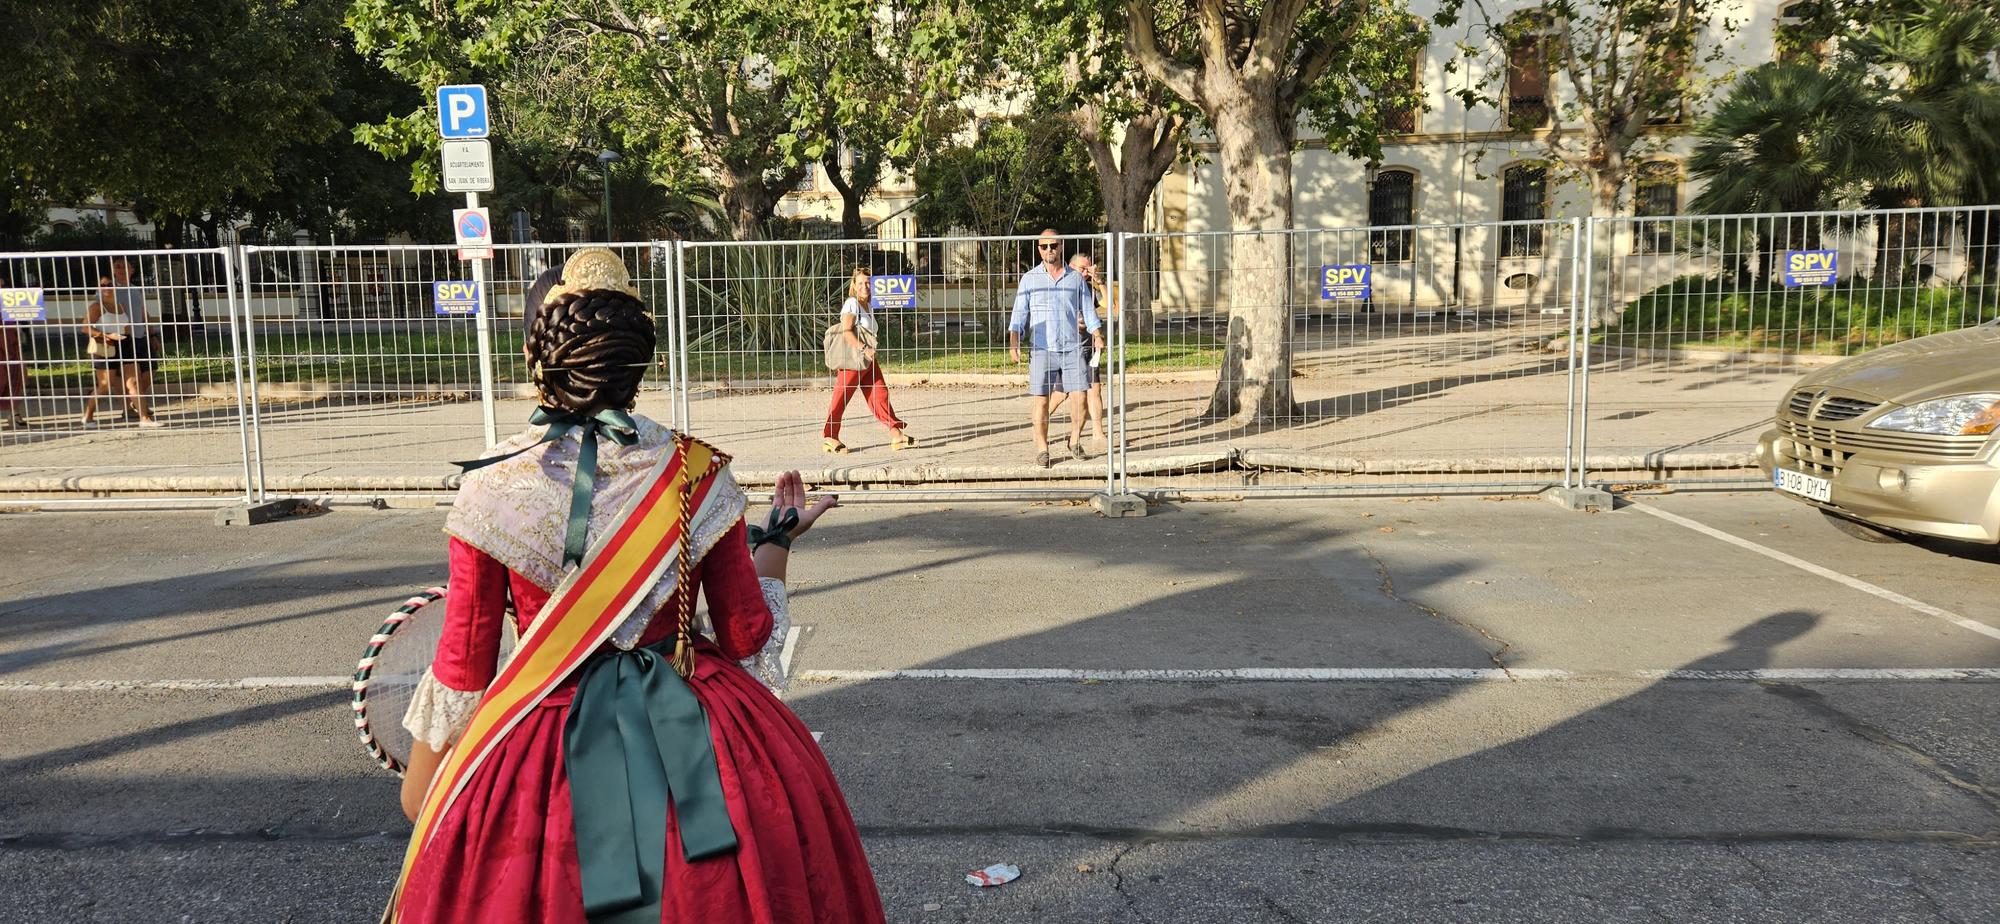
1789,138
1937,89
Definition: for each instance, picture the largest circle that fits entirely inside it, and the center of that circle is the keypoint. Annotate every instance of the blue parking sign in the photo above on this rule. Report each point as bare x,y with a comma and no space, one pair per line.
462,111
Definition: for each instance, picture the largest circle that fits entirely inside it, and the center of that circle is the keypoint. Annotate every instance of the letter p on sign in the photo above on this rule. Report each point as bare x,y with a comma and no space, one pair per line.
462,111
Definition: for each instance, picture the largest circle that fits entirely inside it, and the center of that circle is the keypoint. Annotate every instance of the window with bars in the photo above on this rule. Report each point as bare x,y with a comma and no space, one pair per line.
1404,119
1528,73
1523,197
1391,201
1657,194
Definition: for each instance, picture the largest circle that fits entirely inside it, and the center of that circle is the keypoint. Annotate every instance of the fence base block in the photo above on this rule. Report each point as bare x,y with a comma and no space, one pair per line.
1585,500
1118,505
254,514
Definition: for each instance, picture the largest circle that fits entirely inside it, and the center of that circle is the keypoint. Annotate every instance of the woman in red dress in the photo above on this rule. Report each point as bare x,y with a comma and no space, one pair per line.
507,848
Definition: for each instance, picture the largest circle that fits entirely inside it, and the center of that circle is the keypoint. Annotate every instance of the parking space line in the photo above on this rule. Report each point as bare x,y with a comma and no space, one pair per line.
1406,674
785,653
240,683
1169,675
1831,575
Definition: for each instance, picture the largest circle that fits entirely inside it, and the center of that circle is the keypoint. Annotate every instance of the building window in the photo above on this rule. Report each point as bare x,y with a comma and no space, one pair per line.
1528,72
1670,106
1403,119
1391,201
1657,195
808,182
1523,197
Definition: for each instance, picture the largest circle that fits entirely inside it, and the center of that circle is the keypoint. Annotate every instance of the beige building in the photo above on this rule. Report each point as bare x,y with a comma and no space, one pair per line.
1452,166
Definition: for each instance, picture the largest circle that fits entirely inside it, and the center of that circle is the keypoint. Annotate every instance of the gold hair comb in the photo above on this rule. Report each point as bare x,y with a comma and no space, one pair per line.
593,269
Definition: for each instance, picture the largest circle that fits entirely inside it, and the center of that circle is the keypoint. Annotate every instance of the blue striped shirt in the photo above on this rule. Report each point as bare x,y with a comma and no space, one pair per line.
1054,307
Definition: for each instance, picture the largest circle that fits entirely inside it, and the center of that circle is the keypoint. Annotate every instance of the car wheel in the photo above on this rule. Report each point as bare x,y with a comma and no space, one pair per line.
1860,530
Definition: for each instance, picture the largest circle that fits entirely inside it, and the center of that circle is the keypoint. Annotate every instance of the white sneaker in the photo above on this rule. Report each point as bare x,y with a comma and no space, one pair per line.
88,425
150,424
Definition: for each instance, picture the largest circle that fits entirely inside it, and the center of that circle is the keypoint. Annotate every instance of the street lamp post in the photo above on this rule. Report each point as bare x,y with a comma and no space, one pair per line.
604,161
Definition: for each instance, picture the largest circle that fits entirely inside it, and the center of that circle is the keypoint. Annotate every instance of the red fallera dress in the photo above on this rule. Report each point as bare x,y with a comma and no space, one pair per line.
506,850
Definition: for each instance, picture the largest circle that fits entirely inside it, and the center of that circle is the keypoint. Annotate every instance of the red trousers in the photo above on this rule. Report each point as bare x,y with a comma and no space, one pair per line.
13,370
872,387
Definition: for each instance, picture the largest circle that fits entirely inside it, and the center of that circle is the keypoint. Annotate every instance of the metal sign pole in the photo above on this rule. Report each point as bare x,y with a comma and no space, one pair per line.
482,321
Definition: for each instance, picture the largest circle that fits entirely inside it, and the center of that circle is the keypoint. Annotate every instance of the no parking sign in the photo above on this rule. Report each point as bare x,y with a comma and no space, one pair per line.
474,229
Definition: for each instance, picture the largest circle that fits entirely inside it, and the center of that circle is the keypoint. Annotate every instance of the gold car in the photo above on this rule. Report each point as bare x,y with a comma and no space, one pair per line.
1899,440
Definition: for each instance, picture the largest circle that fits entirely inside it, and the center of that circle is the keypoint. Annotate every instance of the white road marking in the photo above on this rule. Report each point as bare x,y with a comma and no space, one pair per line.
785,653
1170,675
1831,575
241,683
1432,674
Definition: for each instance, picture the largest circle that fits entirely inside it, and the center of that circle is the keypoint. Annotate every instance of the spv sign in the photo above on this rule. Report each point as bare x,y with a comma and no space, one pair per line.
455,297
893,291
18,305
1344,281
1811,267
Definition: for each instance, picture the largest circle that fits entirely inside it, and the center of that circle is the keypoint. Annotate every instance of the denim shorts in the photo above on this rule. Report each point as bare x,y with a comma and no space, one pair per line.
1052,372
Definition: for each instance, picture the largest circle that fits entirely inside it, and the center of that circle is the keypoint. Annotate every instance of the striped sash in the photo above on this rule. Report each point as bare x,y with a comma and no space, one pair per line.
582,613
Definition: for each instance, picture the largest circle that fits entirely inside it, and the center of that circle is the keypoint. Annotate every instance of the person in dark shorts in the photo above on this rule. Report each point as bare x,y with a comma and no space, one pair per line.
1051,306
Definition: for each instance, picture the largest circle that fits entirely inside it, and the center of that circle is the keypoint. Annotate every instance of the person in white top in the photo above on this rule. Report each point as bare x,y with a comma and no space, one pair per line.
137,352
857,321
105,324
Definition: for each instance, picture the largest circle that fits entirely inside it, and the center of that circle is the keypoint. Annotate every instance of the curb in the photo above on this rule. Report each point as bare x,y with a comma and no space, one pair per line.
1069,474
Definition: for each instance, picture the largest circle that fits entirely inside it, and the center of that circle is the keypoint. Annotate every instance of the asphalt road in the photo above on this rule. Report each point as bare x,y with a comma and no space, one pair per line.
1824,751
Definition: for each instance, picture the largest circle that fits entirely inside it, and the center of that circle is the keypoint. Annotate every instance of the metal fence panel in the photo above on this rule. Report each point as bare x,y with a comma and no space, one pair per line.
365,382
1420,357
1699,325
755,315
165,415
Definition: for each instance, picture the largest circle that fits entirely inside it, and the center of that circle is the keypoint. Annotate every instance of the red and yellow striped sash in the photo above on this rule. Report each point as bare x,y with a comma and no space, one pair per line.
582,613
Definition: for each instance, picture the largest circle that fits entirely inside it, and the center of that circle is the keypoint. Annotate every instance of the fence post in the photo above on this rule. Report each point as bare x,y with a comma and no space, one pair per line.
1115,307
1576,303
1587,317
243,253
669,260
482,323
677,361
231,305
1116,501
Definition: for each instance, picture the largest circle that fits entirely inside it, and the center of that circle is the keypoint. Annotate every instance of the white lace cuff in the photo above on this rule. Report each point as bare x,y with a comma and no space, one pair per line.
438,714
768,664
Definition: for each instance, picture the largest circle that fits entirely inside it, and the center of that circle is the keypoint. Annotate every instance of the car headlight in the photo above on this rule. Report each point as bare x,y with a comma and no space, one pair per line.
1964,415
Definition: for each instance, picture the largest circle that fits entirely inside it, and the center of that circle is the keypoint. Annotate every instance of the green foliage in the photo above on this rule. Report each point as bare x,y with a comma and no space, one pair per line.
1907,114
1701,313
748,92
1017,177
90,233
1790,137
1616,69
178,105
763,299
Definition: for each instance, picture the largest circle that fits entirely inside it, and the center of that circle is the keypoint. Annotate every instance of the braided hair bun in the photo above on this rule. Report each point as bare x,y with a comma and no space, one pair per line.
588,350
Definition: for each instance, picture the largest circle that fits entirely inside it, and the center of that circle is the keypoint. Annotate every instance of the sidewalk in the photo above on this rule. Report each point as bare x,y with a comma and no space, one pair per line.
1484,406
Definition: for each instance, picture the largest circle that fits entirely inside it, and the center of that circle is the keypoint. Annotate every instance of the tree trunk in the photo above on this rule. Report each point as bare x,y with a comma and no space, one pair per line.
1126,180
1608,282
748,202
1256,159
1125,198
853,187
